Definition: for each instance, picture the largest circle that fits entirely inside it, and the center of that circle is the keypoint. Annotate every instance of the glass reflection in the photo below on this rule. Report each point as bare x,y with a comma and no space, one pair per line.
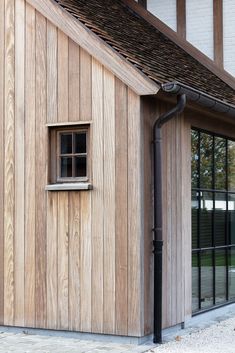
220,276
220,163
66,143
195,157
195,208
231,165
195,282
206,161
206,279
206,216
66,167
231,218
220,219
231,274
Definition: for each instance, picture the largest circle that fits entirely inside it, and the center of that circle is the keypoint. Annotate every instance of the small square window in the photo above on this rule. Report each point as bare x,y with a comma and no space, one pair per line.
69,155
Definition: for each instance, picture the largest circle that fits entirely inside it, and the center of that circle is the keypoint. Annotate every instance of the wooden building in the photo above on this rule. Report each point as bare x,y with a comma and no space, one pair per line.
81,86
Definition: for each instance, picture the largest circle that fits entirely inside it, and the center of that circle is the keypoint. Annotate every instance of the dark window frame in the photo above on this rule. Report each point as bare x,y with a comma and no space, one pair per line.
228,247
56,155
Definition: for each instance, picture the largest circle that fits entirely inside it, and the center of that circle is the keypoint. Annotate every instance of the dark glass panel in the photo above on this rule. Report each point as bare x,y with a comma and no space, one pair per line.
231,218
195,157
206,161
220,163
206,279
231,165
66,143
66,167
220,219
80,143
195,207
80,167
206,200
231,273
195,282
220,276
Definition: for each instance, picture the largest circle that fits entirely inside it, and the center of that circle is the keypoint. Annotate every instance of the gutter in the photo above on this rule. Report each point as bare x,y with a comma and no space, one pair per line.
183,93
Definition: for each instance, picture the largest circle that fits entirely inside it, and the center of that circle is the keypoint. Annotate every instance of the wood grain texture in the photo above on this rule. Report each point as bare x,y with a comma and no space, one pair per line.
52,73
109,202
121,195
41,170
63,263
19,159
218,32
2,153
9,156
95,47
74,81
52,260
97,198
63,78
74,255
30,174
135,231
85,85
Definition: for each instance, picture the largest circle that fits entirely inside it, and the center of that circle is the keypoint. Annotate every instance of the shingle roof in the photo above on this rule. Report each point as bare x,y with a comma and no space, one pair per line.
145,47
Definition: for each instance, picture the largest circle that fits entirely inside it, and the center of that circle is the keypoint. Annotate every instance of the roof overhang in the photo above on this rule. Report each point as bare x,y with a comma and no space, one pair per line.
199,97
95,46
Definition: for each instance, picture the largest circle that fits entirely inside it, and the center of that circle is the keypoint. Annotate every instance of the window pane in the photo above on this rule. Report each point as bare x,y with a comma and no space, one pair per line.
195,207
206,213
80,167
220,163
80,143
206,279
231,165
66,167
231,218
195,158
220,276
220,219
232,274
206,149
195,282
66,143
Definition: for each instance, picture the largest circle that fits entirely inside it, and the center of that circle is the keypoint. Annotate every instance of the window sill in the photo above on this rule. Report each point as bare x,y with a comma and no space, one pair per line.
69,187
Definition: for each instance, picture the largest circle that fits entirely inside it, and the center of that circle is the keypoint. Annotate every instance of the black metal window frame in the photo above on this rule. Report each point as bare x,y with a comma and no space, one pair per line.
200,250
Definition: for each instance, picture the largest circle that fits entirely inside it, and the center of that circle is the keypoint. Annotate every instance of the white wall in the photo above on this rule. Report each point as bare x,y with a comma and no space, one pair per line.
199,25
229,35
165,10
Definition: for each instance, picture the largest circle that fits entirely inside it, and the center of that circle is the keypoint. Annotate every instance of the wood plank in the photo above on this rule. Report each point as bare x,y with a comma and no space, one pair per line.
181,18
85,262
97,198
85,85
135,231
218,32
96,47
52,260
30,127
41,170
19,159
9,187
74,261
121,148
63,261
74,76
63,78
2,113
109,203
52,73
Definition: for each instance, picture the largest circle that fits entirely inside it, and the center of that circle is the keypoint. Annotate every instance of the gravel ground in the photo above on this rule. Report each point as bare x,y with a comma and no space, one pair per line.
218,338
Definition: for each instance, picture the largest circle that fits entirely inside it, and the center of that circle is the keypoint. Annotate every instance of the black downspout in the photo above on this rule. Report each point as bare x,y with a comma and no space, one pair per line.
158,240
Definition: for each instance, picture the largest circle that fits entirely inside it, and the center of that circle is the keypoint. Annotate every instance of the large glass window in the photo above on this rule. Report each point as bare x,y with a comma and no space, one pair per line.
213,220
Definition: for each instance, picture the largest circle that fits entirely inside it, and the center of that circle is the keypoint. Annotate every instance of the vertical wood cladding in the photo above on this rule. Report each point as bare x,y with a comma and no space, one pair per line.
68,260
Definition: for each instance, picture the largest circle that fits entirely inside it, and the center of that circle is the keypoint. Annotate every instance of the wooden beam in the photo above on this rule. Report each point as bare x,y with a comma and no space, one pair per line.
186,46
143,3
181,18
218,32
96,47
